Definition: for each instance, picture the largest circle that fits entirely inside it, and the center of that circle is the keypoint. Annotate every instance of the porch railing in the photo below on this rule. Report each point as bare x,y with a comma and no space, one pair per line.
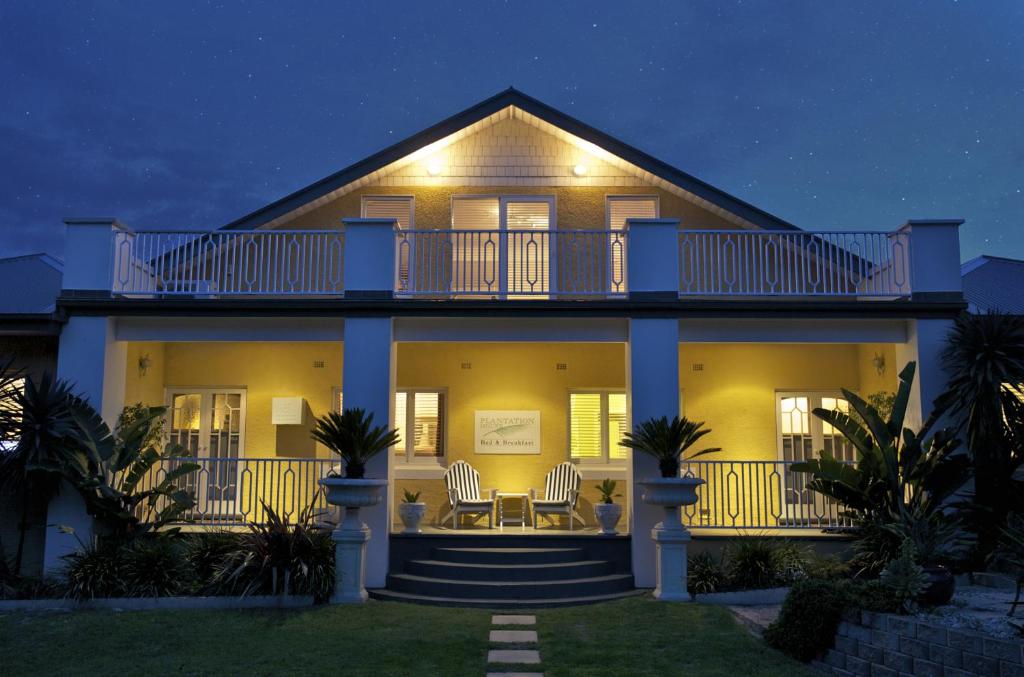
233,491
744,495
228,263
757,495
797,263
511,263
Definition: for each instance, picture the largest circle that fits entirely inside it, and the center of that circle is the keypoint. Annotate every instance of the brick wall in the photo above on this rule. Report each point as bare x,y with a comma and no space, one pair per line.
882,645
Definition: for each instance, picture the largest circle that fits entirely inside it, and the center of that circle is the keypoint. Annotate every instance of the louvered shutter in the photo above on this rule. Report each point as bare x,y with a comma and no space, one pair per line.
400,209
401,399
585,425
616,424
475,260
622,208
428,424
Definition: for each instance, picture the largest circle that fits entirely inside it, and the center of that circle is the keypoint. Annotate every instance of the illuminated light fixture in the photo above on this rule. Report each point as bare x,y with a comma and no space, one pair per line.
434,167
579,170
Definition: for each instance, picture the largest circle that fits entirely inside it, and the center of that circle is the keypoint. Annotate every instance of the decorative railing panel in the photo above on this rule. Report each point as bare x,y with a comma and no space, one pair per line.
757,495
228,263
794,263
511,263
233,491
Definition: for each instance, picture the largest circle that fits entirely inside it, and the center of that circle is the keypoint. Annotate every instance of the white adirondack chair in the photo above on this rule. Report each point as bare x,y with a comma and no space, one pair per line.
561,490
464,496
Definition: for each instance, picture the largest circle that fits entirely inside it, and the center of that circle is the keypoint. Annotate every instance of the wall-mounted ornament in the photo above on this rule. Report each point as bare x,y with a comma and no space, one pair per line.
879,362
144,363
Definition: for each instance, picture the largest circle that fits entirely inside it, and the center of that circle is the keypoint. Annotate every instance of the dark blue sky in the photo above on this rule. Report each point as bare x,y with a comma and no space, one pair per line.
828,114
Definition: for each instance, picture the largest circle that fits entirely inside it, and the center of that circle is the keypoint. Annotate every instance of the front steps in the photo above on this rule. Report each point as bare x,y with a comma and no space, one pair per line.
507,577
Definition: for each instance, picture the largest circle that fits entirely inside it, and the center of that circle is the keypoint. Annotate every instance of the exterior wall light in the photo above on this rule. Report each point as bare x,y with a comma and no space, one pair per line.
434,167
579,170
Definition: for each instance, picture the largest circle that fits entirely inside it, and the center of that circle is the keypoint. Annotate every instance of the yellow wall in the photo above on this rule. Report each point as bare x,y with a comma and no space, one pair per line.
265,370
734,392
577,207
509,376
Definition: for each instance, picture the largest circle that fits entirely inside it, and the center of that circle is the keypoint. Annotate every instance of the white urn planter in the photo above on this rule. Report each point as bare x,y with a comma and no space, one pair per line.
670,536
351,535
608,515
412,514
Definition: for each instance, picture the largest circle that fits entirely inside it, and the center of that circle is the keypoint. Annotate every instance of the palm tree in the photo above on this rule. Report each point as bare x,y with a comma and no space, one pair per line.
352,436
984,358
37,419
667,441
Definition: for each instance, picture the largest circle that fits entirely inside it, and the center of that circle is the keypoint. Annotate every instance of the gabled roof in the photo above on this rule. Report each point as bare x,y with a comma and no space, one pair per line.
29,284
994,283
512,97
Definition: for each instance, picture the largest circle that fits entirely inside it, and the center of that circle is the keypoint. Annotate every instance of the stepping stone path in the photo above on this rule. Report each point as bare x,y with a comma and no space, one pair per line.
517,637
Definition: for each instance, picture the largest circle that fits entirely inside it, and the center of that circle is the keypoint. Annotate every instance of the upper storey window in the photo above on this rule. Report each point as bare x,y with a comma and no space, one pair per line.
622,207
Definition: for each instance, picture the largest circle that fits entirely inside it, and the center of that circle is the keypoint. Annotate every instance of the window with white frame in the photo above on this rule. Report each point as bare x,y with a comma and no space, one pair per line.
597,422
402,209
209,423
622,207
421,421
802,435
10,407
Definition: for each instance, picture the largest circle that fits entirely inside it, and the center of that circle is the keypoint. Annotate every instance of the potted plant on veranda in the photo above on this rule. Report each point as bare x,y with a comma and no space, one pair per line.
411,510
667,441
353,437
608,511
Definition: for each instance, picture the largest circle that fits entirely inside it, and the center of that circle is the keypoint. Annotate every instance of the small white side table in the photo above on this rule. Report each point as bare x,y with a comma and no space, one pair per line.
512,520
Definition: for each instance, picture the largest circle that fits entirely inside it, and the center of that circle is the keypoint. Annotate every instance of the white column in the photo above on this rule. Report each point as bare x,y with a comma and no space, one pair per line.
652,381
652,370
368,371
89,254
368,382
935,275
94,363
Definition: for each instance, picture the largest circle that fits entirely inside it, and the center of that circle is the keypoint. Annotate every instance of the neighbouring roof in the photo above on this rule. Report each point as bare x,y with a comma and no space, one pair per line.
994,283
29,284
698,190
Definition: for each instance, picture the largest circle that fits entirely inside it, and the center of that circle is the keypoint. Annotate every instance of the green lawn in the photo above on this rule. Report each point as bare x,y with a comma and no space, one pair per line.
633,637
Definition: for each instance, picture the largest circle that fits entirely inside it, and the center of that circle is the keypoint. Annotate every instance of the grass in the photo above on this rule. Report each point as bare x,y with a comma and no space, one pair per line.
634,637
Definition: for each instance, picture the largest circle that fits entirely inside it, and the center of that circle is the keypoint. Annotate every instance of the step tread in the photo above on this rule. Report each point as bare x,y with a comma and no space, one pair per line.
384,594
510,551
563,582
485,565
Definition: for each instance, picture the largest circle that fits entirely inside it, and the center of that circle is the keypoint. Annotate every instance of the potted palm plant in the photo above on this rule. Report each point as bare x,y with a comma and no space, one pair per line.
353,437
667,441
412,511
608,511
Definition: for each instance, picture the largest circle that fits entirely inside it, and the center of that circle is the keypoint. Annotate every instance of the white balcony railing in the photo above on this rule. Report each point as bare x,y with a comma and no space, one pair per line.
228,263
742,495
794,263
511,263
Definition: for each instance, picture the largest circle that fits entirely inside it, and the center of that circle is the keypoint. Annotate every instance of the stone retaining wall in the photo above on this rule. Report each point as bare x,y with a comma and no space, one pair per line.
882,645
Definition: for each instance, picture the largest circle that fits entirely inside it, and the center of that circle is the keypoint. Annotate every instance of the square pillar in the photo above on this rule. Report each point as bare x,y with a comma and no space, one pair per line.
368,381
94,364
935,259
370,264
926,339
652,253
89,255
652,381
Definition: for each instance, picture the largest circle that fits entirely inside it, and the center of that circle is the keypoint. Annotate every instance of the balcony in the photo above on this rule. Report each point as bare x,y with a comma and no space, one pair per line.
513,264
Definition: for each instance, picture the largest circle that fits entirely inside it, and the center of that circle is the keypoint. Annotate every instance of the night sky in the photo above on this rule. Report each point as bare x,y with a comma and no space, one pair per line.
831,115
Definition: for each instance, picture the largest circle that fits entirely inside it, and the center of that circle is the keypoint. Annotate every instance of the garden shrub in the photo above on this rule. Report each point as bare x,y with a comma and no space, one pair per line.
94,571
806,626
155,567
205,552
827,567
704,574
753,563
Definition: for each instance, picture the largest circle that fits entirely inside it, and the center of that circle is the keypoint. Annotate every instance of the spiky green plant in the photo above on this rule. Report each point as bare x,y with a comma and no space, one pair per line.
607,490
667,441
984,358
704,573
410,497
898,471
353,437
904,578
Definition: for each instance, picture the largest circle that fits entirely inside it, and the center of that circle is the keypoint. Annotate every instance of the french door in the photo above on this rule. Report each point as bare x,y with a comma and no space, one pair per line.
503,246
801,436
210,424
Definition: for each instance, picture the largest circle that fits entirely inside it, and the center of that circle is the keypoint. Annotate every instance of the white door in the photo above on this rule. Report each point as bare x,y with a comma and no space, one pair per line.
210,424
508,249
801,436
